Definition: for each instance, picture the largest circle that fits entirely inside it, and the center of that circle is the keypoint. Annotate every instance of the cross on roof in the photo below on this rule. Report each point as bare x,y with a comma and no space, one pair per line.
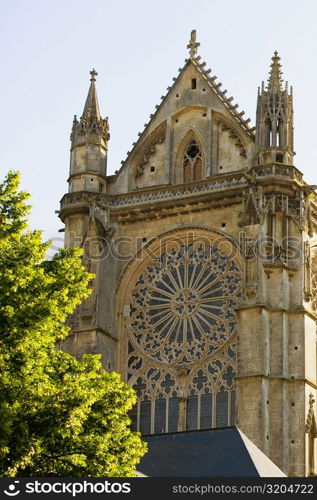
93,73
193,45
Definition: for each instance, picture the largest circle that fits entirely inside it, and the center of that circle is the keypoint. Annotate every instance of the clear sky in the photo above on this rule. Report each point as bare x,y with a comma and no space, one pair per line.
48,48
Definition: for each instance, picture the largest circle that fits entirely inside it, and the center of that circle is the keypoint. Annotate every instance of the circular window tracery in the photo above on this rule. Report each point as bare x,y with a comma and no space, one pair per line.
183,304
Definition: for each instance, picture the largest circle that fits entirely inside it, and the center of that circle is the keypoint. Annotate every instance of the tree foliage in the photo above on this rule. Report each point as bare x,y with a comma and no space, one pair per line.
58,416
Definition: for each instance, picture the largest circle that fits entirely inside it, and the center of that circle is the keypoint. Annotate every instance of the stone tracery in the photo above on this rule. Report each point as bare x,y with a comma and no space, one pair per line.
192,162
182,307
181,332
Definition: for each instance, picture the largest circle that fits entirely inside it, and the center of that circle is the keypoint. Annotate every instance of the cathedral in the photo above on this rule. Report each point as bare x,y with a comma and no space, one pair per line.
203,245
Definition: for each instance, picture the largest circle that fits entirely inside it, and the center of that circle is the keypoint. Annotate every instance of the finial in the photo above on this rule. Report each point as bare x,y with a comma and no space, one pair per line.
275,77
93,73
193,45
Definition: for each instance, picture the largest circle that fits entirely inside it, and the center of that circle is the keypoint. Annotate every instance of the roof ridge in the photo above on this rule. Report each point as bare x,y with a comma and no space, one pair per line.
222,95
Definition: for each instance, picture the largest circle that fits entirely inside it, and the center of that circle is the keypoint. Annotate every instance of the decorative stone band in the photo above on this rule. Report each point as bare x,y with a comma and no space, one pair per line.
212,185
161,194
90,126
277,170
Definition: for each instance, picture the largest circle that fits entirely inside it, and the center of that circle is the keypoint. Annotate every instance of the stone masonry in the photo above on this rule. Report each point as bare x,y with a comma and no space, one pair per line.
203,246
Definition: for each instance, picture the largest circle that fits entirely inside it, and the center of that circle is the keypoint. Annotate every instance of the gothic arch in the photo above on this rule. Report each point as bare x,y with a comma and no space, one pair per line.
163,383
190,158
212,390
182,111
187,231
176,322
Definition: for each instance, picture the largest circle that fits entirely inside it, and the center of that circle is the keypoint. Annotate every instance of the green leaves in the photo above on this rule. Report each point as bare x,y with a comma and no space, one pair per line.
58,416
13,207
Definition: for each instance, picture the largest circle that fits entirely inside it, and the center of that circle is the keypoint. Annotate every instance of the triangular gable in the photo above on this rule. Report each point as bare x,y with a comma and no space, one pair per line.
227,102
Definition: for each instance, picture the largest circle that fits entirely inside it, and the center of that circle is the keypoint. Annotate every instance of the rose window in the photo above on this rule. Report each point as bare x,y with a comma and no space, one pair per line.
183,304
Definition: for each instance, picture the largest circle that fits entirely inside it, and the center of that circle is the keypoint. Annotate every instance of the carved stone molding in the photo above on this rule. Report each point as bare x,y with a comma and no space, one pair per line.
252,206
277,170
235,181
90,126
99,217
311,421
307,274
233,135
255,206
149,152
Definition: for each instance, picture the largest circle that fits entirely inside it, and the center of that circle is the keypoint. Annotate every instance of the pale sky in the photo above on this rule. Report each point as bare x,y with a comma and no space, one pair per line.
48,48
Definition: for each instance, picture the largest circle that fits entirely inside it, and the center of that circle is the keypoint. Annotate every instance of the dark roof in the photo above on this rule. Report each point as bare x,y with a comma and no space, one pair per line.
221,452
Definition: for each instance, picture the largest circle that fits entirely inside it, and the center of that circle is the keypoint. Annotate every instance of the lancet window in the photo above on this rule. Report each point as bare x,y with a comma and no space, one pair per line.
192,162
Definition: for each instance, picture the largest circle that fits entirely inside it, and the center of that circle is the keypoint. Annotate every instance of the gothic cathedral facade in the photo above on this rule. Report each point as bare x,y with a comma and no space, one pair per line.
203,245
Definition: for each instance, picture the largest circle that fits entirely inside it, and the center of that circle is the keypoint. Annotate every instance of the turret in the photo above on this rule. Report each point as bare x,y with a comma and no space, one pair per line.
274,119
89,144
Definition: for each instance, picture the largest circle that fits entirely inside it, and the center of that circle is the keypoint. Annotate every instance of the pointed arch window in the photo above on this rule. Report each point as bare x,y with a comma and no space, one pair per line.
192,162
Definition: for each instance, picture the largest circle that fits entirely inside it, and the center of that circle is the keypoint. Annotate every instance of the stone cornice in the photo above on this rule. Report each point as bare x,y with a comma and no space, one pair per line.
276,170
215,184
219,183
276,377
301,310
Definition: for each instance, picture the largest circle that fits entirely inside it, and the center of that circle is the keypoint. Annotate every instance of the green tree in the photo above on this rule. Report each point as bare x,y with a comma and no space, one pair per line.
58,416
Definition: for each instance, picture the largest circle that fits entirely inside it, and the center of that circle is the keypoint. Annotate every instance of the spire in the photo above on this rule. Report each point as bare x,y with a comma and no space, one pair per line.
91,109
89,145
274,122
193,45
91,121
275,79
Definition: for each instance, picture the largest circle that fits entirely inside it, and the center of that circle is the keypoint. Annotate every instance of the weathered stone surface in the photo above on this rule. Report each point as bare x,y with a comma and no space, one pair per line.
199,180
